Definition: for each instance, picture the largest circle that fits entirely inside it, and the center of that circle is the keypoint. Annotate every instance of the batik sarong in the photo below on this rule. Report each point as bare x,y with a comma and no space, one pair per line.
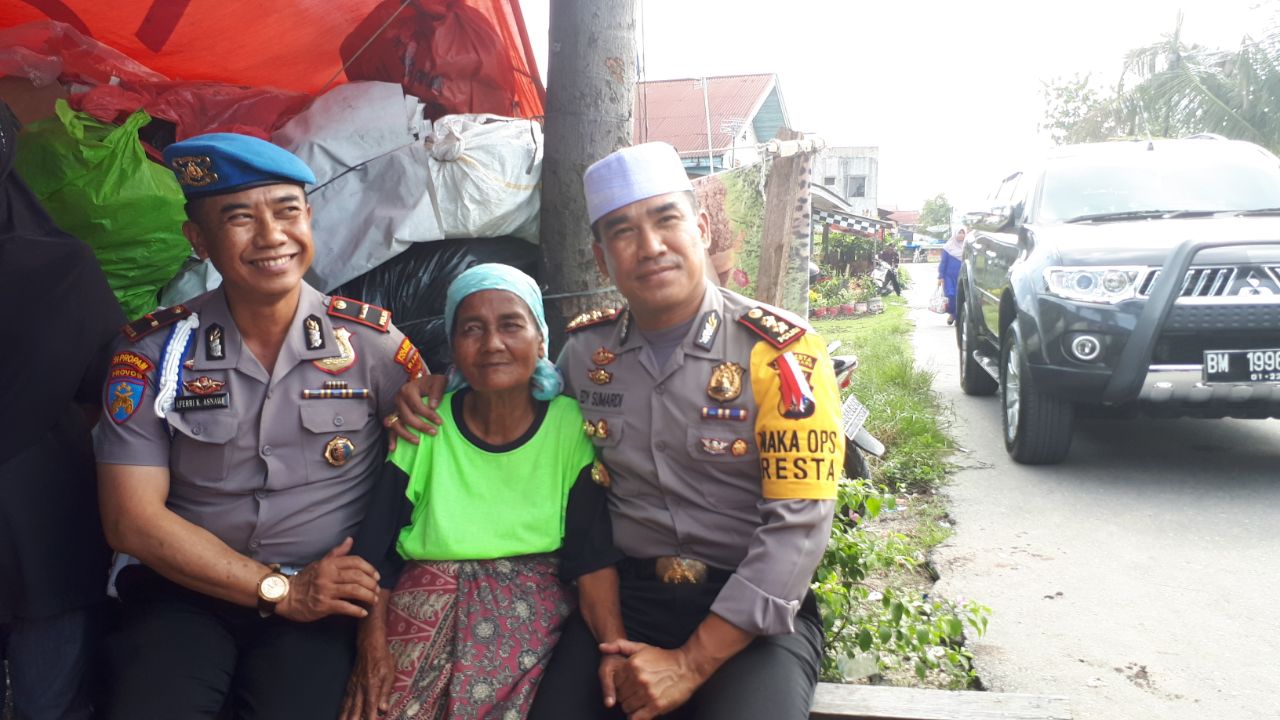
470,639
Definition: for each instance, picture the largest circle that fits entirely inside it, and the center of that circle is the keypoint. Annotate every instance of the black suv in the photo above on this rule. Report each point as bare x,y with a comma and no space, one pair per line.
1136,275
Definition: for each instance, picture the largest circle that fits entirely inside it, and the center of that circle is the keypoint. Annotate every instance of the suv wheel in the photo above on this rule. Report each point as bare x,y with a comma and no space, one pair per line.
974,379
1037,427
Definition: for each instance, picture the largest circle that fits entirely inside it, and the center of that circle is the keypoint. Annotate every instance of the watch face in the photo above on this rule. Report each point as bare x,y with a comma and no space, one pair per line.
273,587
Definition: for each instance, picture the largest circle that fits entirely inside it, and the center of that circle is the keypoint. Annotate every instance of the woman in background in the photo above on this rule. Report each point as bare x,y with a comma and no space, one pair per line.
949,271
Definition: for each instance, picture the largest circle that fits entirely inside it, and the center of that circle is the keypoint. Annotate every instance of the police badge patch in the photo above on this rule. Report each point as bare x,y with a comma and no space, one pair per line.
124,397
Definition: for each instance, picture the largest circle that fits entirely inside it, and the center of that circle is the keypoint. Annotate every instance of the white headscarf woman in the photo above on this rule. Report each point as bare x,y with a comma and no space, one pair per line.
955,246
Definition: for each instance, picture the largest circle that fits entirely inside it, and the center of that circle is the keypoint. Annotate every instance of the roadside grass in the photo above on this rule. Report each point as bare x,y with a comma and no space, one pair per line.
874,583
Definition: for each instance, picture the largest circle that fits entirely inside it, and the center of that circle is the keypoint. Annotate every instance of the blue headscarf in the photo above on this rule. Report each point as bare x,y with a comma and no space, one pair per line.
547,382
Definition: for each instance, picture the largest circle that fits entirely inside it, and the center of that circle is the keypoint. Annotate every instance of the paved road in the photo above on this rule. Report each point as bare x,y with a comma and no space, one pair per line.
1140,577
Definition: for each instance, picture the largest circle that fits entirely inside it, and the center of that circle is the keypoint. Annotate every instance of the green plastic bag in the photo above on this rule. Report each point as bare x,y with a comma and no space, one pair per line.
97,184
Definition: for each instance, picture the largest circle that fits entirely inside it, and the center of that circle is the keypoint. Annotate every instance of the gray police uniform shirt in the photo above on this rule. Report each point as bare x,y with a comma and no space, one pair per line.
717,456
276,465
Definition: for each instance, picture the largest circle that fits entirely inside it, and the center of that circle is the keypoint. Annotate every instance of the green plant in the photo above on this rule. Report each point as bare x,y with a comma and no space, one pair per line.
890,628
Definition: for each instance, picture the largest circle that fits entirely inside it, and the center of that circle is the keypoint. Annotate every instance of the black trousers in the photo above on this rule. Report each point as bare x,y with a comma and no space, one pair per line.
180,655
771,679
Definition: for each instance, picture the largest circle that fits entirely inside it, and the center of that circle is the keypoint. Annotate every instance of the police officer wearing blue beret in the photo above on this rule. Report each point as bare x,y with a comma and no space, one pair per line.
240,441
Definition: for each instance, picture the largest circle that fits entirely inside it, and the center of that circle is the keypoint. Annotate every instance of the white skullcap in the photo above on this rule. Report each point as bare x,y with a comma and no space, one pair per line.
633,173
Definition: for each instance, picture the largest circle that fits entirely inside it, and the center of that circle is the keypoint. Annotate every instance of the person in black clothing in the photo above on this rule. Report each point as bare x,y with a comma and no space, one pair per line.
53,557
890,256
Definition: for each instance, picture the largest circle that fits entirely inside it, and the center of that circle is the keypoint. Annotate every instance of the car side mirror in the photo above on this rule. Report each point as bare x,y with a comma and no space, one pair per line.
997,219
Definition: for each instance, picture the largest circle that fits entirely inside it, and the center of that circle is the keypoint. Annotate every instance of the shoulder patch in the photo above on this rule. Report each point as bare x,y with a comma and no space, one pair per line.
153,321
775,329
360,312
593,318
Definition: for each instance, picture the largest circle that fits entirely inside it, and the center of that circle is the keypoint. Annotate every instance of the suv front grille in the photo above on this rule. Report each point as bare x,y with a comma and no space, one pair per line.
1200,281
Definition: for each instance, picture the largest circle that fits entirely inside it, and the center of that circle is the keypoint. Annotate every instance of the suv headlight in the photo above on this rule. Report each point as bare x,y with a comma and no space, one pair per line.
1094,284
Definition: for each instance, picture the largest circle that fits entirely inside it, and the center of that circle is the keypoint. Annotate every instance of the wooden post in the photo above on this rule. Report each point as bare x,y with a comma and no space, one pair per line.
590,98
786,219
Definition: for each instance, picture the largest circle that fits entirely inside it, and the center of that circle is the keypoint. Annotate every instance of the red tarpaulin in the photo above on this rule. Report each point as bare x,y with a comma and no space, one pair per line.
287,44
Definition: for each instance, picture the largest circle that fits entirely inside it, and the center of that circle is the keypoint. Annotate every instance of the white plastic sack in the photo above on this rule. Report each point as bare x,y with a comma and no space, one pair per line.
196,278
387,178
486,172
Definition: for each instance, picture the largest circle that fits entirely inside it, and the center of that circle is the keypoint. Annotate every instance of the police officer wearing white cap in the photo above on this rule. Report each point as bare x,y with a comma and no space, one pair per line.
240,442
717,418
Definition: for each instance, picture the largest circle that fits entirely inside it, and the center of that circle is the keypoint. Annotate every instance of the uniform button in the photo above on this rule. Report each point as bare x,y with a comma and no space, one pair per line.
660,446
197,429
266,450
260,494
337,421
255,544
658,389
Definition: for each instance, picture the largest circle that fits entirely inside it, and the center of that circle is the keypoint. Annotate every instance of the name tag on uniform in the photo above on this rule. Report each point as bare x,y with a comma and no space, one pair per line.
202,402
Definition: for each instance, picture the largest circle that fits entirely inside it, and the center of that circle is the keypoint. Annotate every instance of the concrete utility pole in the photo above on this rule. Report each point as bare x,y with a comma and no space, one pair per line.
590,99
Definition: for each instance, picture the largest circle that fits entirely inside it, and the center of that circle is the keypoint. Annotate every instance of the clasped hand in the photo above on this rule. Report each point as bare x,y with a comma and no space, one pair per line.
652,681
337,584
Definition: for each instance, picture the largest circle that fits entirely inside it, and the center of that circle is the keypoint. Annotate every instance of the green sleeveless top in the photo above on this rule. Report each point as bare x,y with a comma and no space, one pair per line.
473,501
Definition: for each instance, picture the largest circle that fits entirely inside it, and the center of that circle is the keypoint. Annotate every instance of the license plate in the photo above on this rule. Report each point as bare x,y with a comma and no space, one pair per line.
1242,365
852,414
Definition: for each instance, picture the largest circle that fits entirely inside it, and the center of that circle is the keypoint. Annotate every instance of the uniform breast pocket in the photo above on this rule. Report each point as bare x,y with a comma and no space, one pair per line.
730,463
333,432
201,450
604,429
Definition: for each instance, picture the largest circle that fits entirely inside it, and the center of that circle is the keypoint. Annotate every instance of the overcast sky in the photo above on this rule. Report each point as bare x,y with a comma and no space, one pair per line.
949,91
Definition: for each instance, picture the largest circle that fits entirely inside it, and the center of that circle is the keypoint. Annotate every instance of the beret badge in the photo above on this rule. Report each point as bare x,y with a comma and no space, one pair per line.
194,170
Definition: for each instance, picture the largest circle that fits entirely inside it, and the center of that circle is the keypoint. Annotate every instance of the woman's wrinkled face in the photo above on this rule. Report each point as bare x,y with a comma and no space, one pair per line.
496,341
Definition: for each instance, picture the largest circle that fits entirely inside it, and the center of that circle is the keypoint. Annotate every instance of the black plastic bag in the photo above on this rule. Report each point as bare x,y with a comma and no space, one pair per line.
413,284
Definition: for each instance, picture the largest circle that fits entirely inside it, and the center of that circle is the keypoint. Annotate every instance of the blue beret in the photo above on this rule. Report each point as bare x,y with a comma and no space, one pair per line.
219,163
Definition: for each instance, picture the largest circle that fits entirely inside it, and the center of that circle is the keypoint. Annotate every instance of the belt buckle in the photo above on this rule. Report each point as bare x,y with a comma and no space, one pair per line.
678,571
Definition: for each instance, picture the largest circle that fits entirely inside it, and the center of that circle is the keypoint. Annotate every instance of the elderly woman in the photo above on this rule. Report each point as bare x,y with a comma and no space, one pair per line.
468,525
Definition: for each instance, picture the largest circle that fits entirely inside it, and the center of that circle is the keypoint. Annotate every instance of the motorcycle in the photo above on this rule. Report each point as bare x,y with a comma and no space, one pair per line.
853,418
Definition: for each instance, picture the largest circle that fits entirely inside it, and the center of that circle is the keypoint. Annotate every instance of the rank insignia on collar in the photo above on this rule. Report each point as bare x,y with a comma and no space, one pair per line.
346,357
710,328
725,384
775,329
592,318
602,428
311,329
714,446
213,347
600,376
602,356
625,332
363,313
338,451
153,321
738,448
203,385
588,428
124,397
600,475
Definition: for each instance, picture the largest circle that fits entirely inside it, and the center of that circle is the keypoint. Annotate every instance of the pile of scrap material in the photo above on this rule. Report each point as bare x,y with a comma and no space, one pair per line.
435,142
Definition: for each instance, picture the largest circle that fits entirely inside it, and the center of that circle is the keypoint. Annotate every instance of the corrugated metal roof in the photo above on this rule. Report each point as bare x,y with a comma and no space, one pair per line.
673,110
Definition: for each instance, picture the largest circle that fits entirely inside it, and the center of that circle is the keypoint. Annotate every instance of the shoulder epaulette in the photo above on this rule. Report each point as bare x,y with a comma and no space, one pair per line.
153,321
775,329
593,318
360,312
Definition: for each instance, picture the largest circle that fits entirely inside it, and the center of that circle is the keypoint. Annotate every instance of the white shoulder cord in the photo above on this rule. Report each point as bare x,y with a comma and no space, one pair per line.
171,363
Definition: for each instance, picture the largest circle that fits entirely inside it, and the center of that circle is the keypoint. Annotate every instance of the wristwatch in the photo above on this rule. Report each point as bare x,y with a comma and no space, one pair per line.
272,589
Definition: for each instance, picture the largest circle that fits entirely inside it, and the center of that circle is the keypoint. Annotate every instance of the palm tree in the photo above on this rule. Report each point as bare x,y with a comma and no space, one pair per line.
1177,89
